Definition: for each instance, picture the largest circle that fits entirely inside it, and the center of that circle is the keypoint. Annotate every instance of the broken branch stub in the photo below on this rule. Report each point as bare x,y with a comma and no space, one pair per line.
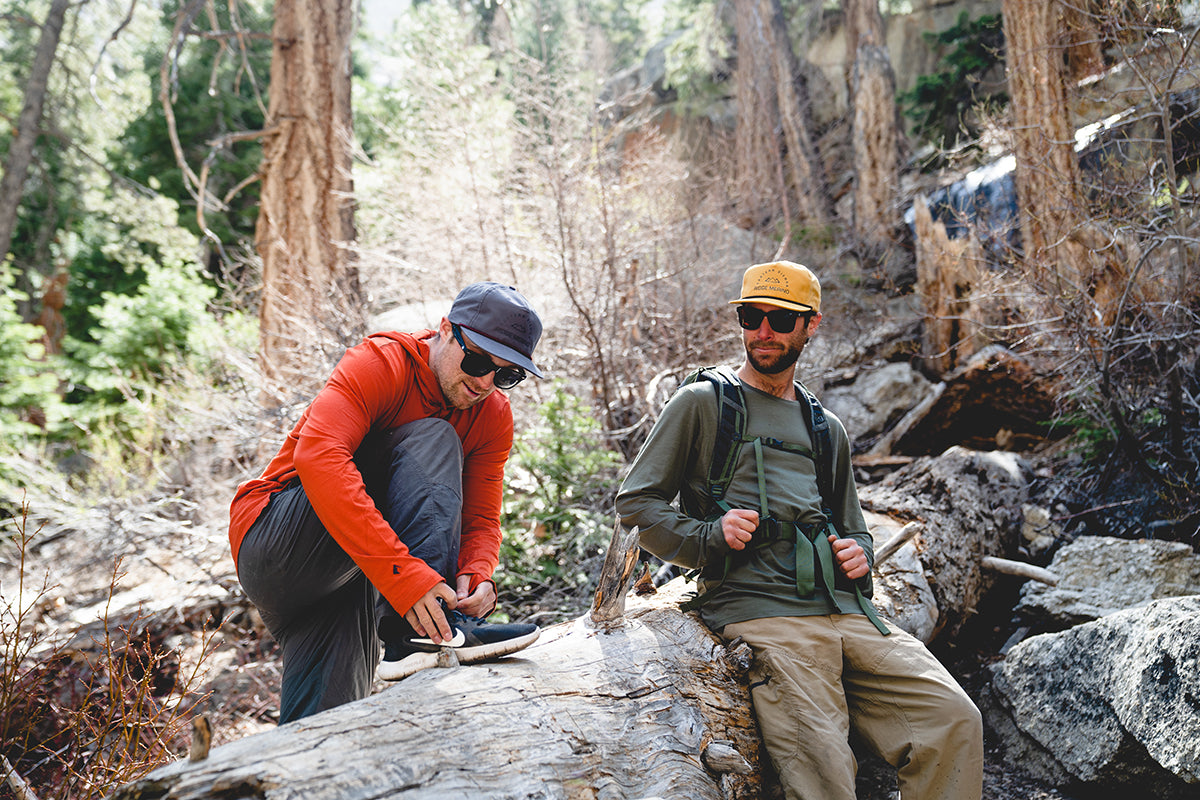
608,605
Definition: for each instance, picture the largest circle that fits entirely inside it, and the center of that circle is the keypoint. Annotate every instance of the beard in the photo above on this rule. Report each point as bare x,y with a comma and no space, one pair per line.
773,362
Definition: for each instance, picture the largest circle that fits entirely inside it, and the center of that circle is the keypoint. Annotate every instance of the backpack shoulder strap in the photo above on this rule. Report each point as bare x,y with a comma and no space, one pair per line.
731,425
822,441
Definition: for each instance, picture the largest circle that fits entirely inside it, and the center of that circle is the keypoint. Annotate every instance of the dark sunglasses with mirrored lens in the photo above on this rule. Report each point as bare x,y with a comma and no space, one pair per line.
477,365
781,320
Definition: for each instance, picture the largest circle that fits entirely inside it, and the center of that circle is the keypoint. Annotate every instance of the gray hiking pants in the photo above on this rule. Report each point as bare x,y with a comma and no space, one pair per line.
326,616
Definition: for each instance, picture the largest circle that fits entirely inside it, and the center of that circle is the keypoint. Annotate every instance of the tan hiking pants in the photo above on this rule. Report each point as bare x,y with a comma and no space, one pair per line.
816,679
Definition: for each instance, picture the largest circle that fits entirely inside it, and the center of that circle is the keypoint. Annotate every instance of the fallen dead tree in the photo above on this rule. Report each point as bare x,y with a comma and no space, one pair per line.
638,701
650,705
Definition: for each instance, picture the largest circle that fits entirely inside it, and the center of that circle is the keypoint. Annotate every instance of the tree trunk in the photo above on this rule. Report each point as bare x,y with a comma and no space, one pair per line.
876,148
758,166
1047,169
774,117
969,504
949,283
809,184
795,112
1070,254
310,292
876,129
20,151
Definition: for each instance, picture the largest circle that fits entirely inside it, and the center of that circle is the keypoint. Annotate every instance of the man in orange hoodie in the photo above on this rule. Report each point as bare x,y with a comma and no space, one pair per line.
379,519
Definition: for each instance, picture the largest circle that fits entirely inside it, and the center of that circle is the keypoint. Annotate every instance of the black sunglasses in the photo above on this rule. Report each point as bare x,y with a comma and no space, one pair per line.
477,365
781,320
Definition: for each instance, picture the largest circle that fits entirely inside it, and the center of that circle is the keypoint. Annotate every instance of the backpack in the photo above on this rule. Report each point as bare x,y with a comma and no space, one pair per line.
731,427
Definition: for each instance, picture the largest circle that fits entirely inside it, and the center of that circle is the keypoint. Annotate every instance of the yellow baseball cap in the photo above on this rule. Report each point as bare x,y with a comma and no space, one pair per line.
781,283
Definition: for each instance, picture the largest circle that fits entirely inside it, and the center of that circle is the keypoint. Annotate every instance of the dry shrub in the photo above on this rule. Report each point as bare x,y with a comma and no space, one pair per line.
82,713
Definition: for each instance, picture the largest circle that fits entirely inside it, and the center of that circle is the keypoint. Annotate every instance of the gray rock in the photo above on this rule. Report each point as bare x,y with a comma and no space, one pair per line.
877,398
1099,575
1113,704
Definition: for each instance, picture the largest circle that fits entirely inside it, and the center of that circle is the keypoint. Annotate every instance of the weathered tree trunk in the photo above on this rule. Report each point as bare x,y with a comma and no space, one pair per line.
1047,169
795,112
1071,254
949,273
20,150
876,148
970,506
310,291
876,130
638,709
774,118
758,184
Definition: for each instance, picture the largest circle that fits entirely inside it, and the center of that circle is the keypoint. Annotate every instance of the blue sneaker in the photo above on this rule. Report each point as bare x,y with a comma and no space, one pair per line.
473,640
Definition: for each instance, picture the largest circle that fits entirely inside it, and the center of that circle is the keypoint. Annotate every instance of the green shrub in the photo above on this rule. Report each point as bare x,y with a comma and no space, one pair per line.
29,402
940,103
558,507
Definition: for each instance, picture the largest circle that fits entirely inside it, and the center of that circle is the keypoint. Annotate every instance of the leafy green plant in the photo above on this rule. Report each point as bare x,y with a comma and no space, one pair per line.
29,400
940,103
557,515
219,94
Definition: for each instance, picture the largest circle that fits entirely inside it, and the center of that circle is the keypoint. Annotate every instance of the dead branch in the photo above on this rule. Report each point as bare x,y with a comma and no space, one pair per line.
608,607
902,537
1019,569
15,782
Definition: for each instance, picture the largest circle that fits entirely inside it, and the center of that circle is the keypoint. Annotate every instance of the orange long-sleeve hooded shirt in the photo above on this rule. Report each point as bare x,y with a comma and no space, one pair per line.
379,385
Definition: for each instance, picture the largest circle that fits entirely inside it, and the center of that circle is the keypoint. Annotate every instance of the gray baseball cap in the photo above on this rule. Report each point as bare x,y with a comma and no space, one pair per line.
501,322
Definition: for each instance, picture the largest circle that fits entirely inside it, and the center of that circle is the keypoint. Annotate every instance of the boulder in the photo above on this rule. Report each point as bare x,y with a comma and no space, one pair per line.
877,398
1109,707
1099,575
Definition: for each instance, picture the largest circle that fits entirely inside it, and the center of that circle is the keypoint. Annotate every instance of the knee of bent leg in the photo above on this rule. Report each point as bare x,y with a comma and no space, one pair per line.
963,719
431,441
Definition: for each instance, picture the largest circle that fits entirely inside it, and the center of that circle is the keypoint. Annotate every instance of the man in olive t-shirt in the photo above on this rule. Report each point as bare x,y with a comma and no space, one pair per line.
822,668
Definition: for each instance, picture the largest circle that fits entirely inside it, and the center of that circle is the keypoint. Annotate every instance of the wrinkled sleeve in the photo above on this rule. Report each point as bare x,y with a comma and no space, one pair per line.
847,510
483,479
673,465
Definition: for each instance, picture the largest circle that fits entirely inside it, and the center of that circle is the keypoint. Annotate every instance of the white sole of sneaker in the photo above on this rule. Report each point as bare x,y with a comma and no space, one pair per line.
415,662
481,652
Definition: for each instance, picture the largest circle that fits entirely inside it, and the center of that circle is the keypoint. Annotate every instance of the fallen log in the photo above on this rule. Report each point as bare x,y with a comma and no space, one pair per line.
649,705
635,699
969,505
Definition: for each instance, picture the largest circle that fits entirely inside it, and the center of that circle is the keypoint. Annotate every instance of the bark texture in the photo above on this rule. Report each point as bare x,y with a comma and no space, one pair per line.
1047,169
777,160
311,296
876,147
950,275
795,111
969,504
1071,254
653,707
20,151
876,130
758,166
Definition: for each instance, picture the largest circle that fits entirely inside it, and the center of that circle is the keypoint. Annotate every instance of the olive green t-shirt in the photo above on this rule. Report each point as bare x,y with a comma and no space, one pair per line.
673,466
